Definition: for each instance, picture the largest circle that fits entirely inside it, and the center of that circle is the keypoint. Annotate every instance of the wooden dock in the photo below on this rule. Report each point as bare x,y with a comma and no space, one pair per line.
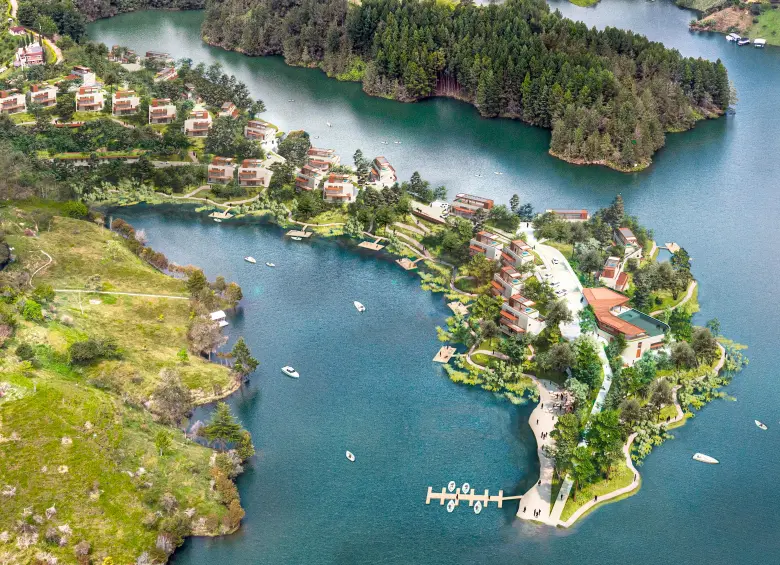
221,215
472,497
672,247
445,354
298,233
372,246
458,308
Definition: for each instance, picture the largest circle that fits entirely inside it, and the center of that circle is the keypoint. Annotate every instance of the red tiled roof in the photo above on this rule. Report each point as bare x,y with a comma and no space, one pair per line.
608,273
622,281
507,315
602,300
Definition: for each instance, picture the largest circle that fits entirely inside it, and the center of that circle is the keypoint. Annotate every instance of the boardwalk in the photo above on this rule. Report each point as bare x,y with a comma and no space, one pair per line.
445,354
472,497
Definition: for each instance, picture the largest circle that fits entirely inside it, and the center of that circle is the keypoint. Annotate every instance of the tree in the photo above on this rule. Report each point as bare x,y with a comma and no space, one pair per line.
245,448
489,329
294,148
578,390
582,468
587,368
486,307
606,440
683,355
615,212
244,362
525,212
558,313
196,282
661,395
704,345
162,442
680,324
222,137
502,218
566,435
630,410
32,311
233,293
559,357
204,335
172,401
222,427
515,347
714,326
73,209
680,260
514,203
481,268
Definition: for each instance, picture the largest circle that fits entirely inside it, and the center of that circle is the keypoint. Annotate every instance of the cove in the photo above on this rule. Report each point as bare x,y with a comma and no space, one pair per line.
713,189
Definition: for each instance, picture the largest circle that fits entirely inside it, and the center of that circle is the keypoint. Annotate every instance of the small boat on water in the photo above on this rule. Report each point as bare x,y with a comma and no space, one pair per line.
705,458
450,506
296,238
350,456
329,125
733,37
760,43
760,424
451,486
743,41
250,260
477,507
359,306
270,265
465,488
290,372
218,220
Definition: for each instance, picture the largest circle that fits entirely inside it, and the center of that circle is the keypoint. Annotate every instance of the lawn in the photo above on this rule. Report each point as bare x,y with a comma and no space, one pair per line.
466,285
76,451
566,248
668,302
621,477
768,27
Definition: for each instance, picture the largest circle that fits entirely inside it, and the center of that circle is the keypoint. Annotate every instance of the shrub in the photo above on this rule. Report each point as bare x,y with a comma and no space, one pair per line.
25,352
83,352
43,293
73,209
32,311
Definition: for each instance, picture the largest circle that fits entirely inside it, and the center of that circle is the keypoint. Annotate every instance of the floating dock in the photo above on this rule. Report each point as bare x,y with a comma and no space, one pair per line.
372,246
298,233
672,247
221,215
472,497
458,308
445,354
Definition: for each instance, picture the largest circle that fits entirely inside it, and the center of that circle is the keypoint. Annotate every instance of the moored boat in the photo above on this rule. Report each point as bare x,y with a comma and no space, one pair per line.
705,458
451,486
743,41
270,265
359,306
760,43
350,456
450,506
477,507
290,372
250,260
760,424
296,238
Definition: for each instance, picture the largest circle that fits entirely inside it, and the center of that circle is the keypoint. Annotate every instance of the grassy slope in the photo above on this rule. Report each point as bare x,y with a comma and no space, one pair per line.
150,330
621,477
700,5
768,27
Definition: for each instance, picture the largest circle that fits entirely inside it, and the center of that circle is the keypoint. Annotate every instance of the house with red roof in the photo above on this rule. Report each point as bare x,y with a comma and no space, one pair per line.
487,244
518,316
614,317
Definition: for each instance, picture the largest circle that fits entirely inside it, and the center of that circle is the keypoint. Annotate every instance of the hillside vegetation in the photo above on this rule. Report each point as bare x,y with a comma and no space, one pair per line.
608,96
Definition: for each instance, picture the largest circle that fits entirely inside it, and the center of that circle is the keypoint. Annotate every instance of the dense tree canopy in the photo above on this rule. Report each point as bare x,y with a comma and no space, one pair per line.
608,95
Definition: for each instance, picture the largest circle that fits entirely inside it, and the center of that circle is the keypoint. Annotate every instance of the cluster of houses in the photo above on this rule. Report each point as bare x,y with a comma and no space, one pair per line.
29,56
252,173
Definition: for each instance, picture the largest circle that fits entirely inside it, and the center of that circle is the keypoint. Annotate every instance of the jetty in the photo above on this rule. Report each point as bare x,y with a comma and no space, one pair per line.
445,354
221,215
372,246
672,247
407,264
472,497
298,233
458,308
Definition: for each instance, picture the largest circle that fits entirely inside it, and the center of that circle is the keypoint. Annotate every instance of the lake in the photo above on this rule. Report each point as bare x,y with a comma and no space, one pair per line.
368,384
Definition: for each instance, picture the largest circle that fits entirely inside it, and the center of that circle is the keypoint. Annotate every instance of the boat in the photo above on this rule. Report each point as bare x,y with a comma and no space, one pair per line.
465,488
359,306
290,372
296,238
760,425
450,506
733,37
743,41
350,456
328,123
218,220
705,458
760,43
477,507
451,486
270,265
250,260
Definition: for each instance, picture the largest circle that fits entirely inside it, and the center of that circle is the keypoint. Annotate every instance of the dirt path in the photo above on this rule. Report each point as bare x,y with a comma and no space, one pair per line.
51,260
142,295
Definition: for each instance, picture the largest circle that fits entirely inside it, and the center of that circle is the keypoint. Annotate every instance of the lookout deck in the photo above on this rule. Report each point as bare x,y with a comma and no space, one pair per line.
372,246
458,308
221,215
472,497
298,233
445,354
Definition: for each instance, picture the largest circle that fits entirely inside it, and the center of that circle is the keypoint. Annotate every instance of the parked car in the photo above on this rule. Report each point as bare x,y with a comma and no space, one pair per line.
555,261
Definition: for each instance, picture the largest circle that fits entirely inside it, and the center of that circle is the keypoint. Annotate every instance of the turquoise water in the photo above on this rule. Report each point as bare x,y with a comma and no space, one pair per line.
373,389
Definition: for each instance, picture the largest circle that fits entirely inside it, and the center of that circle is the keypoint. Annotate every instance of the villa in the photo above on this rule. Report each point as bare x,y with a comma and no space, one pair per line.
508,282
487,244
626,237
221,170
382,173
612,275
258,130
12,102
229,110
570,215
466,205
89,99
339,188
159,56
29,56
517,254
323,155
308,178
85,74
161,111
124,102
43,95
251,173
198,124
168,73
643,333
519,316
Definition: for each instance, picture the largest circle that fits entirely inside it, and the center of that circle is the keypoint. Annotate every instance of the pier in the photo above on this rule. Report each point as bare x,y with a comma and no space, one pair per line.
472,497
221,215
408,264
458,308
445,354
372,246
298,233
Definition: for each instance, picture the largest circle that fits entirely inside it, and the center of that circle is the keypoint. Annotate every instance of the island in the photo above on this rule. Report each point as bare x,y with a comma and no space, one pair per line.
569,308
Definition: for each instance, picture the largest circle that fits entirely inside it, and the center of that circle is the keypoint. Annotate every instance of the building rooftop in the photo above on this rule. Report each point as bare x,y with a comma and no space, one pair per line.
650,325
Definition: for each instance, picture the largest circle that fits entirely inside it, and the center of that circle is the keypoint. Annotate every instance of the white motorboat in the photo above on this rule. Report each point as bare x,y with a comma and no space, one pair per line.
705,458
350,456
477,507
250,260
296,238
451,486
760,425
218,220
359,306
733,37
743,41
270,265
328,123
465,488
290,372
450,506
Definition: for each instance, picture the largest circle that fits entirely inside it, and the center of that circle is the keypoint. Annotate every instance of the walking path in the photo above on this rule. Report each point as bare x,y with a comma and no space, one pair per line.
685,299
14,8
77,290
51,260
409,228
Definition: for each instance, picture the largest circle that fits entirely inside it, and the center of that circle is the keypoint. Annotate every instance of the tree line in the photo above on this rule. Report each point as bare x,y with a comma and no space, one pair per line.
608,96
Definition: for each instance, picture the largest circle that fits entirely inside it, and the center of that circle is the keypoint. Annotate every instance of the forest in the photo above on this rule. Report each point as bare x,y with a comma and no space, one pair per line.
609,96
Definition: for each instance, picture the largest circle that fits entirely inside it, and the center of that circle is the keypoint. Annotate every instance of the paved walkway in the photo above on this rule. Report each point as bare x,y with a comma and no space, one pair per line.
409,228
685,299
14,8
142,295
542,420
